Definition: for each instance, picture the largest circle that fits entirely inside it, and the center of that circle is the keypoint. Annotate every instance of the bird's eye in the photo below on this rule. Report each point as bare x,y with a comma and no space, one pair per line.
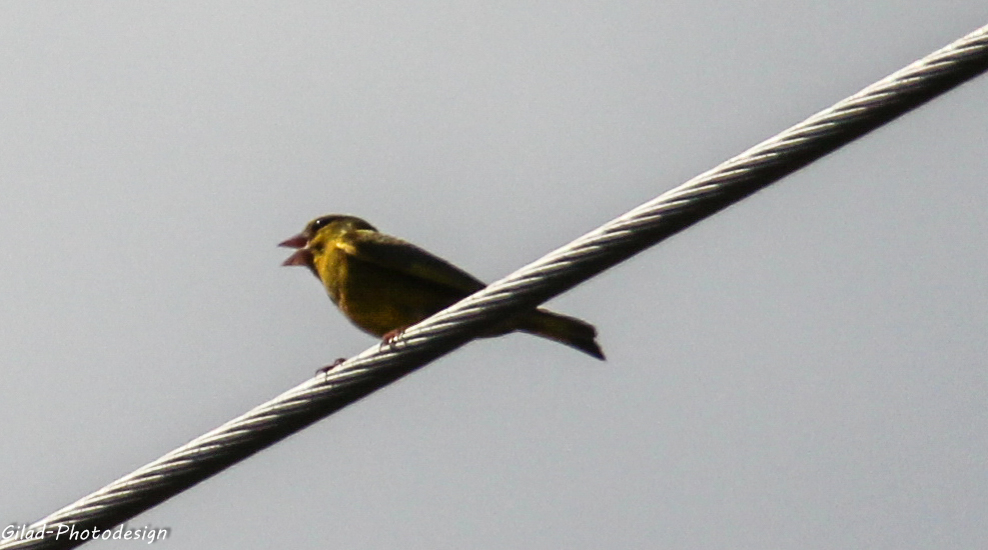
319,223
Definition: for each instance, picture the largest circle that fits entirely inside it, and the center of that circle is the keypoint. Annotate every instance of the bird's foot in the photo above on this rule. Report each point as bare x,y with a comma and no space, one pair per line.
389,338
327,368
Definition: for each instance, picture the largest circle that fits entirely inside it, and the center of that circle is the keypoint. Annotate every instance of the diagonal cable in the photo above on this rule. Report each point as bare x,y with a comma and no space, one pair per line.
552,274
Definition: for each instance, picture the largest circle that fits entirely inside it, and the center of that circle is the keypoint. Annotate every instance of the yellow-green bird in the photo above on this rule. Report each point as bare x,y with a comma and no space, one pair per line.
385,285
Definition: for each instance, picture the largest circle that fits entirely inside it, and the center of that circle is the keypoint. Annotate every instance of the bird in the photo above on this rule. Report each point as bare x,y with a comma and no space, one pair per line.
384,284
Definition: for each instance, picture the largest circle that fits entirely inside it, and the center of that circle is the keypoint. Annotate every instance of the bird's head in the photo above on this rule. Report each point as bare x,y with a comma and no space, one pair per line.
313,239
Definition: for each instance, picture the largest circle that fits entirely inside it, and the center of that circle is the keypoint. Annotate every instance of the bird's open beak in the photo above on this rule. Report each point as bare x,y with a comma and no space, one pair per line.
302,256
298,241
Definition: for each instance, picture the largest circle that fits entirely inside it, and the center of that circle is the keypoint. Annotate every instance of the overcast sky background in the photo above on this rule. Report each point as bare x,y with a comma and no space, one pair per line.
805,370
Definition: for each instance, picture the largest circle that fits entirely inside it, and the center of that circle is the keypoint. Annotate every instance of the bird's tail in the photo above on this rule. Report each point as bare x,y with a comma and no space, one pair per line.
565,330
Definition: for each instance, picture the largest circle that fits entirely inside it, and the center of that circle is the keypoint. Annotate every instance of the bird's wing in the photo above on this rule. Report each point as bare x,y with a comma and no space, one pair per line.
408,259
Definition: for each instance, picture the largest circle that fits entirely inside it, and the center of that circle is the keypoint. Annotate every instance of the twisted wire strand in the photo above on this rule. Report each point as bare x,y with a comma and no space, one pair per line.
553,274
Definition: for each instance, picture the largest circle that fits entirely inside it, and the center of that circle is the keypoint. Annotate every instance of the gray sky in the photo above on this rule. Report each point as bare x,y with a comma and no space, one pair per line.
805,370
